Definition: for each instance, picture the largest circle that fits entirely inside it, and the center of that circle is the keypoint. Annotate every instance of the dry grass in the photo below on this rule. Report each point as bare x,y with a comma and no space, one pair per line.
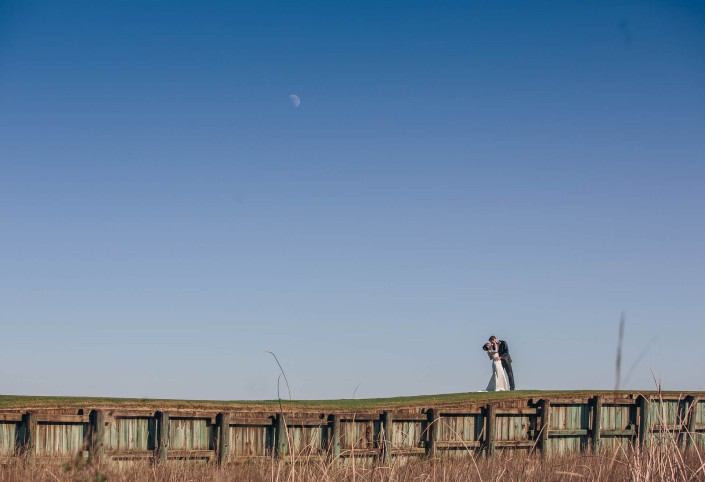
664,460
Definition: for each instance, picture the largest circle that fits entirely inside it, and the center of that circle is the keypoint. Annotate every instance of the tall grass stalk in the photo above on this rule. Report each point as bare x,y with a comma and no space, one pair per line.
663,459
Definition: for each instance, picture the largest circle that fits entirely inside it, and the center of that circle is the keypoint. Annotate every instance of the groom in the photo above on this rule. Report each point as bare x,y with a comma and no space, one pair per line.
503,350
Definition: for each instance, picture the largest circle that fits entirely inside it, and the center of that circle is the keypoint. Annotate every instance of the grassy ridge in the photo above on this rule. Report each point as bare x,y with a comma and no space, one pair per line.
23,402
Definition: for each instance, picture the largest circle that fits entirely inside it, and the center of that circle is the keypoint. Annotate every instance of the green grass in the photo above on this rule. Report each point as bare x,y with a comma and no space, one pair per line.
410,402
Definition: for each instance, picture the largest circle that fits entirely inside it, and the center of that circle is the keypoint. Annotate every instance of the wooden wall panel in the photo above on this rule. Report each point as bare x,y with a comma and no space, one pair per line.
663,412
304,440
512,427
8,438
617,417
132,434
568,418
190,434
60,439
408,434
467,428
699,435
359,435
251,441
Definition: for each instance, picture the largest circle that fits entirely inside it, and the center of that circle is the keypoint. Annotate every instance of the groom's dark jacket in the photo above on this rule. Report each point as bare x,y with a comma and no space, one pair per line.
503,350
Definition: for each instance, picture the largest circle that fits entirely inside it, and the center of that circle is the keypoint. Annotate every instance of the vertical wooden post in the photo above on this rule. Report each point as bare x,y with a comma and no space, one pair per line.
596,422
335,437
162,435
644,421
490,429
432,431
280,436
545,427
30,435
692,418
223,423
96,449
387,430
682,420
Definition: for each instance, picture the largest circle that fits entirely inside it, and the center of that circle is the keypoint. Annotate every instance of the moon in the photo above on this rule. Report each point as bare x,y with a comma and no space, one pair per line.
295,100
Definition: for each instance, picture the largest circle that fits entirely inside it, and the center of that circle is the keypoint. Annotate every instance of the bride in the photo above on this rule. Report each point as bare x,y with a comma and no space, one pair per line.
499,381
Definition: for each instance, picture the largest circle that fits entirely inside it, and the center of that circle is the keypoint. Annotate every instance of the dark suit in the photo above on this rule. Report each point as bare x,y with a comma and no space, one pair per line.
503,350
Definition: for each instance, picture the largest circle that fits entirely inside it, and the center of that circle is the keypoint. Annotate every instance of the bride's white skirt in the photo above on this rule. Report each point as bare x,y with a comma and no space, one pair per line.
499,381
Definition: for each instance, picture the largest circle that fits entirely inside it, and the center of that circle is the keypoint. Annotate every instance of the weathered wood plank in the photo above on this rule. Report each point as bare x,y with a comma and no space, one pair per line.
210,416
173,454
31,435
361,453
409,417
162,435
223,424
185,414
490,435
335,436
281,436
251,421
461,411
131,413
561,402
644,422
618,433
386,439
61,418
691,424
359,417
129,454
409,452
192,454
248,458
545,426
306,422
570,433
458,444
596,422
514,443
96,444
515,411
432,431
11,417
618,401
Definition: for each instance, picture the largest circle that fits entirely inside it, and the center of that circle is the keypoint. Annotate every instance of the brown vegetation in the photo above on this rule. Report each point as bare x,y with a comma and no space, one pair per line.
663,460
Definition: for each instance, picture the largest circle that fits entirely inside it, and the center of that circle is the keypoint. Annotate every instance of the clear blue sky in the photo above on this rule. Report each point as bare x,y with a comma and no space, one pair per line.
455,170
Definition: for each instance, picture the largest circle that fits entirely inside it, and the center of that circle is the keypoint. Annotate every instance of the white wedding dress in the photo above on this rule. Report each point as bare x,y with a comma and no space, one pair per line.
499,381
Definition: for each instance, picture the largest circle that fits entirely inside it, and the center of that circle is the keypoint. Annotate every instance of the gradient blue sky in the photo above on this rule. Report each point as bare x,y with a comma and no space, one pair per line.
528,169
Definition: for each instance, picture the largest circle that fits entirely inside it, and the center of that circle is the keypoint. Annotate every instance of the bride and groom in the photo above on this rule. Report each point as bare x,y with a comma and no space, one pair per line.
502,375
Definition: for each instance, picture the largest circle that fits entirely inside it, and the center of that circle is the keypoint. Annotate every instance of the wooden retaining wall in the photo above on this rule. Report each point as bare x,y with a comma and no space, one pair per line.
551,426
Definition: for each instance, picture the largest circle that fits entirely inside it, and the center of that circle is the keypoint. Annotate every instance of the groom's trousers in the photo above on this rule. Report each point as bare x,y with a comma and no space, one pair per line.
510,374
